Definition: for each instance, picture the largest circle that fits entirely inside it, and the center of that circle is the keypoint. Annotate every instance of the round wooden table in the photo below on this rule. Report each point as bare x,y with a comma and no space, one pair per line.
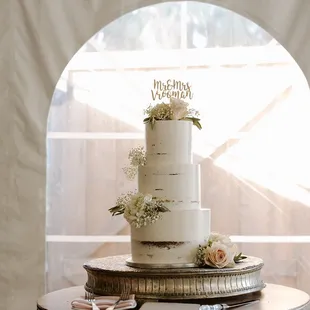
273,297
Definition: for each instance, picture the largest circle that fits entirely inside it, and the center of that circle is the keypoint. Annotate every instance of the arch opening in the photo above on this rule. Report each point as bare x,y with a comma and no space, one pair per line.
247,88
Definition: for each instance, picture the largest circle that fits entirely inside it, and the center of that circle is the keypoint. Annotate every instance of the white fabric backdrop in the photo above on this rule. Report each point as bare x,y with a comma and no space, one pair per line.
37,40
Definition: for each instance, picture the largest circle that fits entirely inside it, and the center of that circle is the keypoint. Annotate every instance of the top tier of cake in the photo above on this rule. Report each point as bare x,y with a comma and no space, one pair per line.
169,142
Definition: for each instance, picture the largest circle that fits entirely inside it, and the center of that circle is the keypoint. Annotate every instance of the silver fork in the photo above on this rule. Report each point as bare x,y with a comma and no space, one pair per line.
124,296
90,296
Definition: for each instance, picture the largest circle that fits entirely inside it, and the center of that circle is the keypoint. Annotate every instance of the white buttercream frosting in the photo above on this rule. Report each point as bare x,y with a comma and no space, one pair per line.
169,142
175,182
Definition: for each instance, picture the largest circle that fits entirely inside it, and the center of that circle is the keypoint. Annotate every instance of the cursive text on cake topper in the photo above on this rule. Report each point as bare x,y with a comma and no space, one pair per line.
171,88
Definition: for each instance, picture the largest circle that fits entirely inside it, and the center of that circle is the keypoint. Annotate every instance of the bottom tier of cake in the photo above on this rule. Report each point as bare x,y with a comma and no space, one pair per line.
110,276
171,241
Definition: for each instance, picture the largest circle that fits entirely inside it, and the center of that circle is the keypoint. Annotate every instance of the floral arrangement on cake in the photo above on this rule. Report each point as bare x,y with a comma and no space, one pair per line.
177,109
218,252
137,157
139,210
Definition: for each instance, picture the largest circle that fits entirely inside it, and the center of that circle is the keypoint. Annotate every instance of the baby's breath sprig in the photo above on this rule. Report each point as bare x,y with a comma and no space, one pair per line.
200,256
137,157
161,111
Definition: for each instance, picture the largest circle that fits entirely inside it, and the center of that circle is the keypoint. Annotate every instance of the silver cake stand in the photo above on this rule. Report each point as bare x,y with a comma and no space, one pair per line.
110,275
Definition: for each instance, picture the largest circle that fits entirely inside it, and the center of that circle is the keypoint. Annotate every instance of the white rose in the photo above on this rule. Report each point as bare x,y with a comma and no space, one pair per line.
148,198
178,108
216,237
133,208
130,214
220,255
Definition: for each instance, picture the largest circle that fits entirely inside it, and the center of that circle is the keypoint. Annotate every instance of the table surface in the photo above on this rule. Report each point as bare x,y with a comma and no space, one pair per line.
273,297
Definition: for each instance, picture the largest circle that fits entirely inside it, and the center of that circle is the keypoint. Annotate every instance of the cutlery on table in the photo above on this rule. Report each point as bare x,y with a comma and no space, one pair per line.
124,296
226,306
91,298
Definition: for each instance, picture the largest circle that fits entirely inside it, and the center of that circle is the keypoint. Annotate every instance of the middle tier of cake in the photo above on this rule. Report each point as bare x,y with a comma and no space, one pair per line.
179,184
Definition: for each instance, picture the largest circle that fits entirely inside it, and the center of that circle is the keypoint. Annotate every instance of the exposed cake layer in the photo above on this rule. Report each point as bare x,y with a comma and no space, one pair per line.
169,142
164,253
171,240
179,183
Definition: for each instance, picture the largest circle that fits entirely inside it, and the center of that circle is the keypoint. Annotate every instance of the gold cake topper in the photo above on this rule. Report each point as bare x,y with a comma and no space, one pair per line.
171,89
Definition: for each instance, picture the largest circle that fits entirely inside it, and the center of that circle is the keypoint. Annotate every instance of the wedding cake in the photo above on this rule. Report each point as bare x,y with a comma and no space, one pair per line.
171,176
168,226
167,221
169,229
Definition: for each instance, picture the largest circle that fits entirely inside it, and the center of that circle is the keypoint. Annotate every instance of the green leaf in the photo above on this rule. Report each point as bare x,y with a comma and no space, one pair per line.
195,120
163,209
150,120
197,124
117,210
153,122
239,257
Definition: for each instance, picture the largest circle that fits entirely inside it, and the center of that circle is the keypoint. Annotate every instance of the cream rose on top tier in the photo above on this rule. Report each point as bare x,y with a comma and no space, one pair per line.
179,108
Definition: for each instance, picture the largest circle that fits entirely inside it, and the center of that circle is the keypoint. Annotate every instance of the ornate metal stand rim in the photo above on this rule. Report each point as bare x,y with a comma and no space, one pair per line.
108,276
117,266
188,297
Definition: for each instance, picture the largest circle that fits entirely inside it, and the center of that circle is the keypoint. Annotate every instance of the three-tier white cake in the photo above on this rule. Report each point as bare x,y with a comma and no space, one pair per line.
170,175
169,229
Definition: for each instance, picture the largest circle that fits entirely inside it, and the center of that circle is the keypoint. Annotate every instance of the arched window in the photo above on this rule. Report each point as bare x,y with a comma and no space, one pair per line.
254,104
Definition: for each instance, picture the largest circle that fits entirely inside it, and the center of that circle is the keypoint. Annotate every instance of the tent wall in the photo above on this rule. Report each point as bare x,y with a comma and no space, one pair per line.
37,40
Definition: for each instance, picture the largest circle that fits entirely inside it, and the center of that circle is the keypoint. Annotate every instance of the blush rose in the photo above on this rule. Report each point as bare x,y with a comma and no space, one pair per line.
220,255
